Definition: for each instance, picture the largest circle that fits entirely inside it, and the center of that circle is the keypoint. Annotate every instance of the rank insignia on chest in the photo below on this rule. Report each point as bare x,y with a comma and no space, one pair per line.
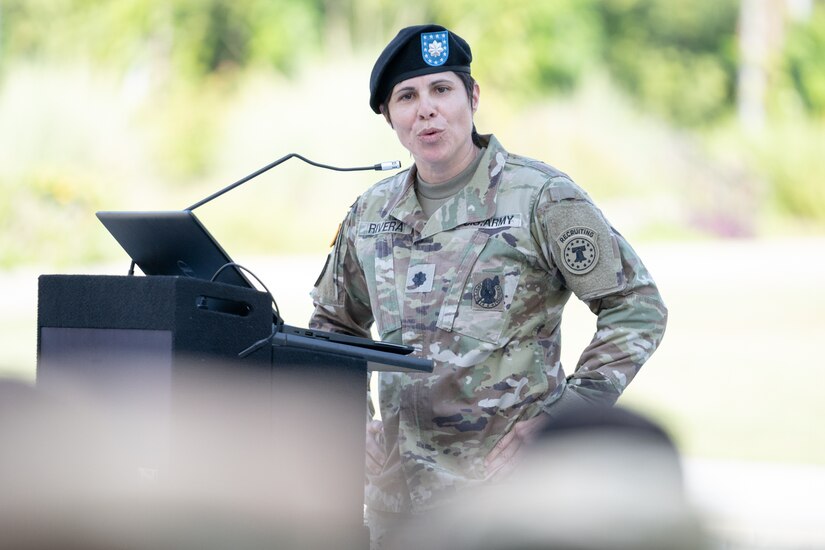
579,249
488,292
420,278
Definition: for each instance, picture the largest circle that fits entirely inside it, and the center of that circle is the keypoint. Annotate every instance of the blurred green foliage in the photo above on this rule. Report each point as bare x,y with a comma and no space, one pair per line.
544,46
197,37
804,57
795,168
677,58
165,79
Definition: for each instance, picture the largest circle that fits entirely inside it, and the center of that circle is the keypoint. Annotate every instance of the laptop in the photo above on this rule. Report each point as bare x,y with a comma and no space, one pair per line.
171,243
176,243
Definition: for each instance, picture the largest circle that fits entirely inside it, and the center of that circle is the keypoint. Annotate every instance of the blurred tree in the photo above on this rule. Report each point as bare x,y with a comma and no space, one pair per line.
677,58
211,35
179,61
200,36
528,48
804,55
761,33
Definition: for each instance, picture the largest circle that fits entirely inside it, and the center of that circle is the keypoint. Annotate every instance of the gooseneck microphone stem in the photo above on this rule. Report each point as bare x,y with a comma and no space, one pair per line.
392,165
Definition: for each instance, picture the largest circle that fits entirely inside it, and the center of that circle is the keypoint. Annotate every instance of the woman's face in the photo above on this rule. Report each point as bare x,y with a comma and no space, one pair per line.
433,119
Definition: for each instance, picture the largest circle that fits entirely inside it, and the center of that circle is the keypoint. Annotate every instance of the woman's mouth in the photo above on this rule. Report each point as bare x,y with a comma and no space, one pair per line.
429,134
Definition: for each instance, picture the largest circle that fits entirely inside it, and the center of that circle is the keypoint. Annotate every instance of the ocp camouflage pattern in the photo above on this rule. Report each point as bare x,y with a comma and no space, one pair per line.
479,288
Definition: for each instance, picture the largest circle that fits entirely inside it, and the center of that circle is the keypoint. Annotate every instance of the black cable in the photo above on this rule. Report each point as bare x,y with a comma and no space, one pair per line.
276,326
279,320
380,166
260,343
337,168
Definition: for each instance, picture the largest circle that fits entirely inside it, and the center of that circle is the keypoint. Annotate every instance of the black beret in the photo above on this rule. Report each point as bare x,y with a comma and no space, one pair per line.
417,51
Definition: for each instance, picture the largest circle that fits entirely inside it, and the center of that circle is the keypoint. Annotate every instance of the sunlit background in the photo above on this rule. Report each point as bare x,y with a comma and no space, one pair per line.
697,125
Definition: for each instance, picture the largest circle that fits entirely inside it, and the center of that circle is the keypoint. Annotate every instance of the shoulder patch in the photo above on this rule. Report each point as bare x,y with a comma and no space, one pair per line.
584,248
579,249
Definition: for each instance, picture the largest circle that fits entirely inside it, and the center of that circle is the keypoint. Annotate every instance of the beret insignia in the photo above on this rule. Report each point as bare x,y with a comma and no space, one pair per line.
435,48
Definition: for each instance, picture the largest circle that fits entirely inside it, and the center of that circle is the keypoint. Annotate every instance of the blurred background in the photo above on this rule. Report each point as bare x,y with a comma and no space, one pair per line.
698,126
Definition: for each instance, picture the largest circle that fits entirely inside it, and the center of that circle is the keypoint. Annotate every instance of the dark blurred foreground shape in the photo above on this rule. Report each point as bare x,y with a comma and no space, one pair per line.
146,430
600,479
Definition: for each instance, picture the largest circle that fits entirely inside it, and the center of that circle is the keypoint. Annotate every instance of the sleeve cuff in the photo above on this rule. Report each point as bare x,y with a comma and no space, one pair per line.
569,402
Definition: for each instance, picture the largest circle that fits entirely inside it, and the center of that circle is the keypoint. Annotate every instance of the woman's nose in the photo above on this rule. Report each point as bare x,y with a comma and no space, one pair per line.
426,108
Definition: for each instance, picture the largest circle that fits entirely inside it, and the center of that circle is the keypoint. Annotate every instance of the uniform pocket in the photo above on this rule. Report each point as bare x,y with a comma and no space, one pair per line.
479,299
379,270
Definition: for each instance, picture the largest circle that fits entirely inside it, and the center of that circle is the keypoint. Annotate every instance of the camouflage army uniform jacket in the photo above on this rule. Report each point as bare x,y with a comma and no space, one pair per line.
479,288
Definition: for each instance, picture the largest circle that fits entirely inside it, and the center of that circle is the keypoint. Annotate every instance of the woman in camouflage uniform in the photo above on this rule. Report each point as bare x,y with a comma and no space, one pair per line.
469,256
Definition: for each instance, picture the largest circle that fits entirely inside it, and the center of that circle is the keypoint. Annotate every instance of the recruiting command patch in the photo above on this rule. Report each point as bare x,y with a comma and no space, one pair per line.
580,249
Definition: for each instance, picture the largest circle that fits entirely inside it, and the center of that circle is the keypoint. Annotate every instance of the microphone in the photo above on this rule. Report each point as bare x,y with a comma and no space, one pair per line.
389,165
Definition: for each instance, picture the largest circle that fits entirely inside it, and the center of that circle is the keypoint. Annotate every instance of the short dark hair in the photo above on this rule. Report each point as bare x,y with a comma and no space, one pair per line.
469,85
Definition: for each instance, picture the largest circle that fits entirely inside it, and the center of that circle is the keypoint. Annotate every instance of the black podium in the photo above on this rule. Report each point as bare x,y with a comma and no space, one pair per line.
158,359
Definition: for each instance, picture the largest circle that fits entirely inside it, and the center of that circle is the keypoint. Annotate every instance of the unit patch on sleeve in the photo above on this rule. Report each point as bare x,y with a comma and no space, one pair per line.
580,249
584,247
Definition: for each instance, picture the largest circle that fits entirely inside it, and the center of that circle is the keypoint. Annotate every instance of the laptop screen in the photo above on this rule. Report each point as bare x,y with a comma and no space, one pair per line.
171,243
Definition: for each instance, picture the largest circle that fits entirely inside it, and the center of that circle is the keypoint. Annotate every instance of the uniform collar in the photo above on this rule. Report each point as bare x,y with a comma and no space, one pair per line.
476,202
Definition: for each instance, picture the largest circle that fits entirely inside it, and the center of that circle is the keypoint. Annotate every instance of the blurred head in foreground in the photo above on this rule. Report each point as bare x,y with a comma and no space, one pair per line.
604,479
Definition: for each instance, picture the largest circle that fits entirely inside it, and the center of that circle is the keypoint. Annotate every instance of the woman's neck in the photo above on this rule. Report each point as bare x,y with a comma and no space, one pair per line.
439,173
